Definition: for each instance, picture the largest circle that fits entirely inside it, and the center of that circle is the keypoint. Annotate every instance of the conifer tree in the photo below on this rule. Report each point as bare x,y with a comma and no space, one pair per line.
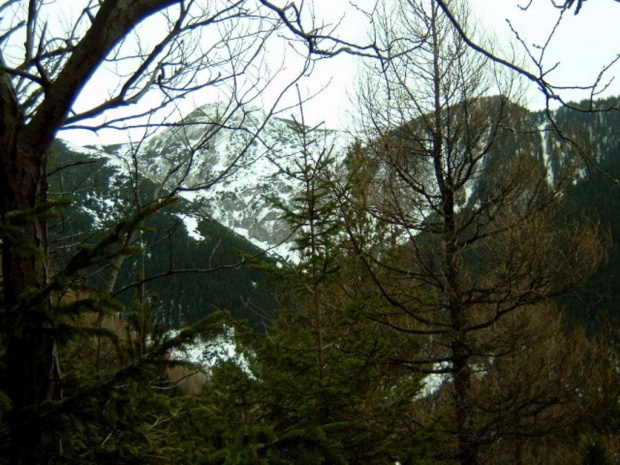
324,364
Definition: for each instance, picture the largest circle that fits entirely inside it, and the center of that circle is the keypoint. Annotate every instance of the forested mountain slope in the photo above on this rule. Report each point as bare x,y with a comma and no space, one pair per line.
207,230
198,263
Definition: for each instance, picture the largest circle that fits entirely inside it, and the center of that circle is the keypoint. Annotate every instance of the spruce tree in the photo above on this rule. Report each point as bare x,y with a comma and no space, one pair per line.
324,365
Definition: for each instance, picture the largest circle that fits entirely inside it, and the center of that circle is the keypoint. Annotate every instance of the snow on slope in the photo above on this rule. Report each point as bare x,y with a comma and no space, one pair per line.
208,354
229,167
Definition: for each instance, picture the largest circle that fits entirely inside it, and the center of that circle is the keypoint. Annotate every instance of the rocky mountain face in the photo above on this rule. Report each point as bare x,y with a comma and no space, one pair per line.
227,172
231,168
228,169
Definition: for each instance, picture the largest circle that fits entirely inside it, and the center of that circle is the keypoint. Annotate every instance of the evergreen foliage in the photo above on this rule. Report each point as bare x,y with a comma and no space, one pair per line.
594,451
324,365
196,276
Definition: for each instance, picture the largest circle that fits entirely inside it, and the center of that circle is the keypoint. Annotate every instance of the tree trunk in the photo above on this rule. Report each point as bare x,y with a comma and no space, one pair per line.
467,451
31,352
518,450
32,355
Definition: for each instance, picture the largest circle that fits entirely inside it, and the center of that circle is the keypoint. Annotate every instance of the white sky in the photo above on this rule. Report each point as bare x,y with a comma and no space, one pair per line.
583,44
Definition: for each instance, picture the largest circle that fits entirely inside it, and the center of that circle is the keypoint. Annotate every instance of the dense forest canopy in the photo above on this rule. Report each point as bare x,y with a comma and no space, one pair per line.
448,291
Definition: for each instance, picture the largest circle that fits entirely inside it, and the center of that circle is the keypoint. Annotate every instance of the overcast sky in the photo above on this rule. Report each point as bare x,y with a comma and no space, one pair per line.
582,45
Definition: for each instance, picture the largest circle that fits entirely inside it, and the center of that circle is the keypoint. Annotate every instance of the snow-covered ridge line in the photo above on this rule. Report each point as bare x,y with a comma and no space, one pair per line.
203,150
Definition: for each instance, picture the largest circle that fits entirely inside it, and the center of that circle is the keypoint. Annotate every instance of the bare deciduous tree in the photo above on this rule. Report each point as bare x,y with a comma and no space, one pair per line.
475,218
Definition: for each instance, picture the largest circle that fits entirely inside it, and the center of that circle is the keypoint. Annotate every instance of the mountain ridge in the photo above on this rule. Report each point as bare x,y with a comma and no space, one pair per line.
229,170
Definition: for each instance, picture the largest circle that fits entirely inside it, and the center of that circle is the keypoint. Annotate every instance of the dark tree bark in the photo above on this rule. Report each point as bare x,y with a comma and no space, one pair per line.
38,89
32,355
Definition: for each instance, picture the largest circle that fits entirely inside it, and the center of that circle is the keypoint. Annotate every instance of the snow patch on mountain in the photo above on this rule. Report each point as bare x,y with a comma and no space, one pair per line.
191,226
222,348
231,167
